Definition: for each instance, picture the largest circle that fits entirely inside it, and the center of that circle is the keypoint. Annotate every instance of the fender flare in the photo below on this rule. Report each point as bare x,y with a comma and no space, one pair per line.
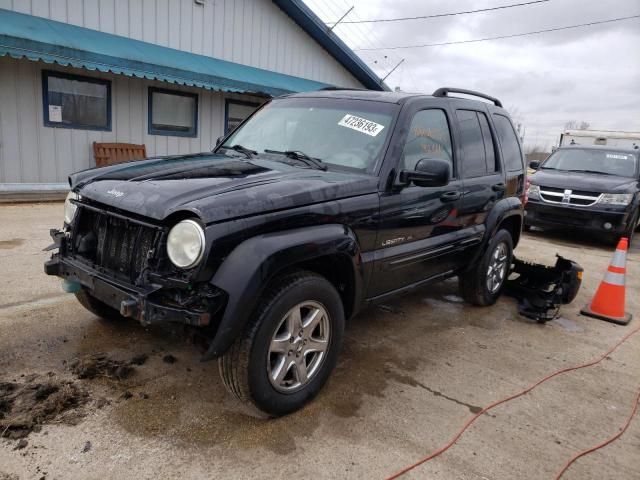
508,207
246,271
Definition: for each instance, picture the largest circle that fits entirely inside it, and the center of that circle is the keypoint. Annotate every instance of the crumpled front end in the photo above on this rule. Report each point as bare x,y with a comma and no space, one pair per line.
120,259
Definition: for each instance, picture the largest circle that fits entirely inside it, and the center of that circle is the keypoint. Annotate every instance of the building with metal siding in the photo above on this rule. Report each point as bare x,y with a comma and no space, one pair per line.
228,54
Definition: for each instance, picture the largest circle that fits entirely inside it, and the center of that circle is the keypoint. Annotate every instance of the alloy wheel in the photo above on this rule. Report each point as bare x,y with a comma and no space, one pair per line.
298,347
497,270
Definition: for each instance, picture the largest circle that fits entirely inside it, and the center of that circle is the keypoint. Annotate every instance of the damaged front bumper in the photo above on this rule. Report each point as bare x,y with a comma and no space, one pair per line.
146,304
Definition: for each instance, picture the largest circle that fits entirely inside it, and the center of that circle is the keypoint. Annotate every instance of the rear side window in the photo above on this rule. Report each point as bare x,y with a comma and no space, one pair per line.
477,144
428,137
509,142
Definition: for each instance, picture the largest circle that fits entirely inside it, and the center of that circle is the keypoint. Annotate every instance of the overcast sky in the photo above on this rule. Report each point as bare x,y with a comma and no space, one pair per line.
587,74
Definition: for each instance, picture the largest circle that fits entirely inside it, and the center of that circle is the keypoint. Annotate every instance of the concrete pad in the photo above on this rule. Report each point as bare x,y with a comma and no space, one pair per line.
410,374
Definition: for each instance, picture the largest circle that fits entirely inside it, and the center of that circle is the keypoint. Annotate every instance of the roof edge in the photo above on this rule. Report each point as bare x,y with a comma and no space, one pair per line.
316,29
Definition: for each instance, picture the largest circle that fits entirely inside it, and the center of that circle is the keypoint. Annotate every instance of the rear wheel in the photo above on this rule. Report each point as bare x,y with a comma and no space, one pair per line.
98,307
289,348
482,284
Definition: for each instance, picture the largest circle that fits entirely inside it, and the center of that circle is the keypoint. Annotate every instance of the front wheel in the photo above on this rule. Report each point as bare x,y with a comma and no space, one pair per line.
289,348
482,284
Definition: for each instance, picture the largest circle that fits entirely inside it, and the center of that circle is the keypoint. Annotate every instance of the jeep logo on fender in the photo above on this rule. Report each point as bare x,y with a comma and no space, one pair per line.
115,193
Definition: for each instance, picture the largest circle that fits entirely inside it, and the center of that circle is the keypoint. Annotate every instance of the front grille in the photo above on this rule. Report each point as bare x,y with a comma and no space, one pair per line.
118,245
580,198
563,220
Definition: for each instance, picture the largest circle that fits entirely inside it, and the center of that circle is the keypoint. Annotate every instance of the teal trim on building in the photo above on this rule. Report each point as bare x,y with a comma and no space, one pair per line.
40,39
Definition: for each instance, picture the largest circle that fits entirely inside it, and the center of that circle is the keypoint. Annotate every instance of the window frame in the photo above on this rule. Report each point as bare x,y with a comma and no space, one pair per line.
192,133
81,78
497,155
496,159
455,174
227,102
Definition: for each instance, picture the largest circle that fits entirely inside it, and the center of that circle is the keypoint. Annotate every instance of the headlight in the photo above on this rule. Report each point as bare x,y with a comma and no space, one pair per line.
616,198
533,191
185,244
70,208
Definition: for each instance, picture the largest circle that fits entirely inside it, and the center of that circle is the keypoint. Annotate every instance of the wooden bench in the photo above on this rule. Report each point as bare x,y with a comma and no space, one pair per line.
112,153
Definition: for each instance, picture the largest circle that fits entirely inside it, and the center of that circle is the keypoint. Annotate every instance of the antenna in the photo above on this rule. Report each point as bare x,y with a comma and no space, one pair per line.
392,70
341,18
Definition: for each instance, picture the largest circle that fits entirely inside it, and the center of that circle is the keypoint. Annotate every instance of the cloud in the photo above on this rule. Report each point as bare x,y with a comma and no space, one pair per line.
590,73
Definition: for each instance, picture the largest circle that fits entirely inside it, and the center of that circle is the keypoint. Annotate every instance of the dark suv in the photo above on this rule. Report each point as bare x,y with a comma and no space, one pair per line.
315,207
592,188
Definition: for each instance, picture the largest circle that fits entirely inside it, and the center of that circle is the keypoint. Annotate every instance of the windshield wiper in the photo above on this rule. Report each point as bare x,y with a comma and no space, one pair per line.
301,156
239,148
591,171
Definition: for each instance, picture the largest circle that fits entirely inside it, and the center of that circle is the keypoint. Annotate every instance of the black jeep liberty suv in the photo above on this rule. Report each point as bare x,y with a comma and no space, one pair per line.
315,207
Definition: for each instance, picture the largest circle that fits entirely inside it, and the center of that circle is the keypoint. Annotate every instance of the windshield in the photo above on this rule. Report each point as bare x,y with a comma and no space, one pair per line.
607,162
340,132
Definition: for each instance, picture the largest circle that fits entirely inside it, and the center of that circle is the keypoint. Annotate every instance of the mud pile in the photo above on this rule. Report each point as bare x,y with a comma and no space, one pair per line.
101,365
25,406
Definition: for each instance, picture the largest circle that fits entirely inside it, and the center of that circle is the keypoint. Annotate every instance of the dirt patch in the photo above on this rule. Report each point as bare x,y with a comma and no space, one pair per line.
26,406
139,359
8,476
101,365
9,244
169,359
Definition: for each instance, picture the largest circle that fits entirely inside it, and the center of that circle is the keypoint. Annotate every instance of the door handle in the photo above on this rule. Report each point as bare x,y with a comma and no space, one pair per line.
450,196
498,187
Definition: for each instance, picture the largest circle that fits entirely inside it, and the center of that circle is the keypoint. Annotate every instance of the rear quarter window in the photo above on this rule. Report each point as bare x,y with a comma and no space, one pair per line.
509,143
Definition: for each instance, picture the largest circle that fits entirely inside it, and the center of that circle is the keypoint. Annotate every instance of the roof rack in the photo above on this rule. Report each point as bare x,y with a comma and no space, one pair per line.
443,92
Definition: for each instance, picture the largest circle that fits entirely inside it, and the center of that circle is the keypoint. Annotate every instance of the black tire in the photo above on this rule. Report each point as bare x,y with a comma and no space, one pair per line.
244,368
473,282
97,307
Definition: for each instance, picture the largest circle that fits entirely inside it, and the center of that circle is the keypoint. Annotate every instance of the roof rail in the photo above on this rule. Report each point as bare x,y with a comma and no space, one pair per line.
341,88
443,92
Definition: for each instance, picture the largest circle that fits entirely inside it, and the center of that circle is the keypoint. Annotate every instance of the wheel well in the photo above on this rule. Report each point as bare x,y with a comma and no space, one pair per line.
513,225
339,271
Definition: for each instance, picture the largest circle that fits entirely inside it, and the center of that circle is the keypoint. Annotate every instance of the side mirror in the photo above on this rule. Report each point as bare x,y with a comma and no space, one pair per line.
219,140
534,165
429,172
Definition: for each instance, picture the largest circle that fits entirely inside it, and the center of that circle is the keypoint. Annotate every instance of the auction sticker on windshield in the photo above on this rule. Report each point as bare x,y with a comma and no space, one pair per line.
362,125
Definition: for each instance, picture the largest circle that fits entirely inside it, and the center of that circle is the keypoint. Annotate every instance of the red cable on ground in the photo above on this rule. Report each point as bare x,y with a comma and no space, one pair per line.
455,438
605,443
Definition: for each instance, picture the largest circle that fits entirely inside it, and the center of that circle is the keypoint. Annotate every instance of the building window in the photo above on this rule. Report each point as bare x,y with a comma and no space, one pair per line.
235,111
73,101
173,113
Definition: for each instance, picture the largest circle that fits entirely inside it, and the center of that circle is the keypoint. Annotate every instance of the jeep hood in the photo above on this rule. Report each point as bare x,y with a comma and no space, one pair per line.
214,187
584,181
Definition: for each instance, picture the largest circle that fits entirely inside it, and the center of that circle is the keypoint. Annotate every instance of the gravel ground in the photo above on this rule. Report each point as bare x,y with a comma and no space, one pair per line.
410,374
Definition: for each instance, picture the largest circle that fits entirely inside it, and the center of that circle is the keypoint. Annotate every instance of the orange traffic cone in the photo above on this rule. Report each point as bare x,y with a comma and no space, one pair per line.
608,302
